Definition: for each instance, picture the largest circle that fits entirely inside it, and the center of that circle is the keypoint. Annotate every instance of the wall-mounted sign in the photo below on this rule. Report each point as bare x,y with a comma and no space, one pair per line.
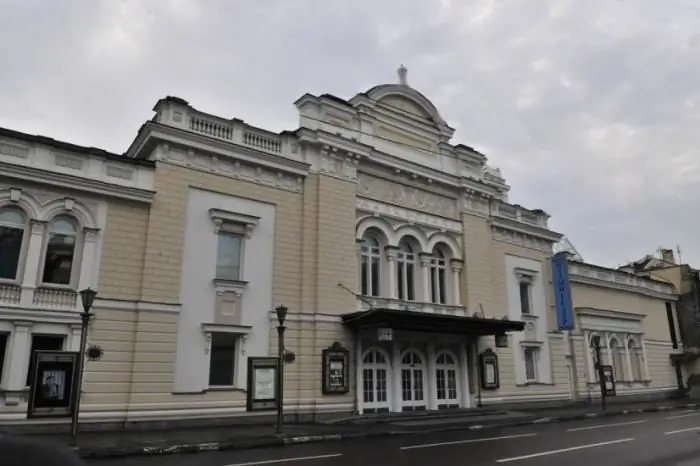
607,381
488,366
562,291
336,370
502,341
262,383
385,334
51,393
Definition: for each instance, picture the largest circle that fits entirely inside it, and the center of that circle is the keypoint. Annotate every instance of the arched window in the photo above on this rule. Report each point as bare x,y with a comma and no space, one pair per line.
60,251
637,359
12,226
617,352
406,266
370,267
438,277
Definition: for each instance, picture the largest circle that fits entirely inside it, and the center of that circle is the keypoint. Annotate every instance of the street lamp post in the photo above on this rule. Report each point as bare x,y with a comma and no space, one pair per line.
599,370
87,296
281,316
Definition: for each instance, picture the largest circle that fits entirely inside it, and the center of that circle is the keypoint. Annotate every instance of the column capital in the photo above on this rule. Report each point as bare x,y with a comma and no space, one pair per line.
425,258
457,265
90,234
391,252
38,227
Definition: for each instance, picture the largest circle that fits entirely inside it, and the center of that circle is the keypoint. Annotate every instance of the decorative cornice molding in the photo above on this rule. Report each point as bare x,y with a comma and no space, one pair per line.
589,275
20,172
406,196
230,167
609,313
522,239
408,215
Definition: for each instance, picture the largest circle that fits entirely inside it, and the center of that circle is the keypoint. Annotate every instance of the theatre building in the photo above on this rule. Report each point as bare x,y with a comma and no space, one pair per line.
374,229
386,240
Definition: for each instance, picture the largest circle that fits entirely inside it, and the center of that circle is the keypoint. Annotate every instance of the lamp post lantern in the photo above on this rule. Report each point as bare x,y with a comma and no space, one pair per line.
281,316
87,297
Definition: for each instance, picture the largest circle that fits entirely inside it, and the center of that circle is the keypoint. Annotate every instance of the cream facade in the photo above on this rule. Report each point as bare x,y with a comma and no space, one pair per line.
377,233
62,231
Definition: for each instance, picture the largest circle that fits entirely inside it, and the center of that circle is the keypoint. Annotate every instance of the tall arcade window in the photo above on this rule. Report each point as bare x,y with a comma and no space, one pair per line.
371,258
60,251
406,264
637,359
12,226
438,285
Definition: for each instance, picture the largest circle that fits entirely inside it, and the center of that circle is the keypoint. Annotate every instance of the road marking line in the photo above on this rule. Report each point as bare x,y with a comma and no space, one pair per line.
696,413
458,442
284,460
600,426
563,450
689,429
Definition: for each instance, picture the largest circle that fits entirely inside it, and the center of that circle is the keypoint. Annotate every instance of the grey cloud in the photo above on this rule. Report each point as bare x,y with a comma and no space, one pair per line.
591,108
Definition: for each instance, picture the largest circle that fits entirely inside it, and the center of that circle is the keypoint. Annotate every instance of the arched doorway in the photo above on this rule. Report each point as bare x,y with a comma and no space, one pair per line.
413,370
375,370
447,390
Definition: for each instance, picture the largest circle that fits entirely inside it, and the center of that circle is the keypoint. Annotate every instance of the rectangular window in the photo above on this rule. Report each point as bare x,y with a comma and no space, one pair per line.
228,256
530,364
222,359
4,337
43,343
525,307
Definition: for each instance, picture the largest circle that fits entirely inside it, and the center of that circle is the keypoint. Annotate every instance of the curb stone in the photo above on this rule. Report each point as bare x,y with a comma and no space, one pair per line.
278,441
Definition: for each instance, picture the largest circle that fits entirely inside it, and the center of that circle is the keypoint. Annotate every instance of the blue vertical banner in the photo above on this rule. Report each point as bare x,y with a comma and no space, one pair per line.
562,291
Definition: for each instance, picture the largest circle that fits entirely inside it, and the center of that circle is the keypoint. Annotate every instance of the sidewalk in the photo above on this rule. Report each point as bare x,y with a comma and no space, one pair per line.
159,442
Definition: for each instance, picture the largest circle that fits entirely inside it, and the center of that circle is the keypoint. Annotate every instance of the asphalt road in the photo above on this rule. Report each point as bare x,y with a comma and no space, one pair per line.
658,439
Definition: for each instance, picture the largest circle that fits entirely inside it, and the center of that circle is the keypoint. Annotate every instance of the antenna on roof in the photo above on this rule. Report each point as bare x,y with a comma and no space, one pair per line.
402,71
678,250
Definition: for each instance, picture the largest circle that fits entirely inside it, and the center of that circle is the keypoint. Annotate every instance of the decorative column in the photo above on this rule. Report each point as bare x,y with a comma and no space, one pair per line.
31,276
465,398
391,253
425,275
608,350
457,265
431,380
645,366
18,360
88,274
396,382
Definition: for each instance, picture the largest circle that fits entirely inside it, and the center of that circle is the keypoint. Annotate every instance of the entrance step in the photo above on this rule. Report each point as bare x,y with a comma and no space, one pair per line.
386,418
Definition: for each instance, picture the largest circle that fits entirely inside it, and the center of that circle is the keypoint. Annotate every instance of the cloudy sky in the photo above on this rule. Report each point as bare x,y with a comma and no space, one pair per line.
591,108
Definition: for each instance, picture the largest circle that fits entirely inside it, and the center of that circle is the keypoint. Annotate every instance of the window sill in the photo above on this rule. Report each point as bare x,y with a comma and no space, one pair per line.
535,383
224,389
222,285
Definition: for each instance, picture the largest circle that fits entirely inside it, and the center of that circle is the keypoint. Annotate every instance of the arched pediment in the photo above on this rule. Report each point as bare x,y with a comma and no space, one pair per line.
412,101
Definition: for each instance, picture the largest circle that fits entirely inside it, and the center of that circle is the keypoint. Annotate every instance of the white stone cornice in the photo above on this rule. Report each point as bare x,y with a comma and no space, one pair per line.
74,182
598,276
408,215
232,168
518,238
